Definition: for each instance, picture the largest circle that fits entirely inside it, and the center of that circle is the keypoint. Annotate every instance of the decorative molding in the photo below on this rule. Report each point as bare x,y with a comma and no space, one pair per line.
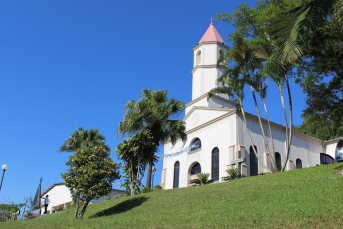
213,96
206,108
211,42
195,119
208,66
194,151
335,140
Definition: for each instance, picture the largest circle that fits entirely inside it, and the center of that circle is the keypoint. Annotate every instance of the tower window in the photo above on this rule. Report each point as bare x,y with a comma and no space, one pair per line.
198,57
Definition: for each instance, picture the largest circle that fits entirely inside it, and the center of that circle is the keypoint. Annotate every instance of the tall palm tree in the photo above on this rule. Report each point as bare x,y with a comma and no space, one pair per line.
244,56
259,84
232,85
294,27
81,138
277,71
153,112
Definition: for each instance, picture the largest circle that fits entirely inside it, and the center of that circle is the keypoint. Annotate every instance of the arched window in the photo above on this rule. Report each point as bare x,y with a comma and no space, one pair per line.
215,164
278,161
198,57
253,162
298,164
176,174
196,144
326,159
196,169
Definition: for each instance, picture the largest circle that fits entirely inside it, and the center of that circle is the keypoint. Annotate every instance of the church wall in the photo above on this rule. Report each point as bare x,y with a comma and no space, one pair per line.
213,102
203,81
307,150
199,103
198,83
199,117
209,54
218,134
331,148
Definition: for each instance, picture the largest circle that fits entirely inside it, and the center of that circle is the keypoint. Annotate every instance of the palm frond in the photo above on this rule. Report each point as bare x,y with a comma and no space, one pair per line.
292,28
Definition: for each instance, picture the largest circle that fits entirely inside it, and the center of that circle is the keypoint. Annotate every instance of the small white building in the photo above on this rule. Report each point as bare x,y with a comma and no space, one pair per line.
217,137
60,197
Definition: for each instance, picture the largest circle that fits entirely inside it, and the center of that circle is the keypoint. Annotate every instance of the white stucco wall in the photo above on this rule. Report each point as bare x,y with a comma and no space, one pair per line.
305,148
219,134
59,194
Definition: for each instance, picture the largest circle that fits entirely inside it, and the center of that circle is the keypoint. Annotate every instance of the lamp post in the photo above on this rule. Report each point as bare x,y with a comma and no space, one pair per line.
4,168
153,174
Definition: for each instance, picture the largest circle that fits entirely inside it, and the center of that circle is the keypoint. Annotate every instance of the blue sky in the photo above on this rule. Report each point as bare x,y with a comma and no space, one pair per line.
69,64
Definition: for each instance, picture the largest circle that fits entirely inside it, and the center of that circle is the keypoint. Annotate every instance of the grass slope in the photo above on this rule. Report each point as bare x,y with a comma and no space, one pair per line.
303,198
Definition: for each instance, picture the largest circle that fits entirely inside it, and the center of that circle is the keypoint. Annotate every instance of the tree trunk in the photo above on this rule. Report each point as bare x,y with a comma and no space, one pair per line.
285,116
83,210
290,123
270,129
77,206
148,178
261,125
251,141
131,180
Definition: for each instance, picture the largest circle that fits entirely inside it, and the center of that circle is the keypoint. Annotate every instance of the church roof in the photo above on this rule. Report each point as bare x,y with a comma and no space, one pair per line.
211,35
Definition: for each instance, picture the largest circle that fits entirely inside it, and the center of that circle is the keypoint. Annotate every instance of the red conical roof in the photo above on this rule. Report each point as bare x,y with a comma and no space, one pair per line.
211,35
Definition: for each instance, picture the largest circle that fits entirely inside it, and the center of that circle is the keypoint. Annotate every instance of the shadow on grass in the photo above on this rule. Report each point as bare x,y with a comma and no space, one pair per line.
122,207
340,167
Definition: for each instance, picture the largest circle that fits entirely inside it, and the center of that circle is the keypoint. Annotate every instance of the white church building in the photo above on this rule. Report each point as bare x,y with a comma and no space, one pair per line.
216,133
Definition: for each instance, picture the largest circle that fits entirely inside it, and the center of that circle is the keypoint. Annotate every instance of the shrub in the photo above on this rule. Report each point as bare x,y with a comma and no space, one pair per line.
146,189
157,187
233,174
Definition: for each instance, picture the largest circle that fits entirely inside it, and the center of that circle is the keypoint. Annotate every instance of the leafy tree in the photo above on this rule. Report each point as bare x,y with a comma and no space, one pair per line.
153,112
202,179
137,151
84,138
90,176
312,31
291,30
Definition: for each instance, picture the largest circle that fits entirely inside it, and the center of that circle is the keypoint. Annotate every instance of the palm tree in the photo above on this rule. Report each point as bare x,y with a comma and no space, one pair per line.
244,57
277,71
84,138
261,86
202,179
294,27
232,85
153,112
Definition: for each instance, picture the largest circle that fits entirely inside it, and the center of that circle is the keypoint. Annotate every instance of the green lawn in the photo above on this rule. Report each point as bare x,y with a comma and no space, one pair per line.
303,198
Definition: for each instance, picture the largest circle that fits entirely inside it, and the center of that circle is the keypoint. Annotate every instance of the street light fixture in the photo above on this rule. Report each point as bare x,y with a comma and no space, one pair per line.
4,168
153,174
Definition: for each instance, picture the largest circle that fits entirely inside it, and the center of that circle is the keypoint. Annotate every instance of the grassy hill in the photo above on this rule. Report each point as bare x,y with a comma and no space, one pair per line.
303,198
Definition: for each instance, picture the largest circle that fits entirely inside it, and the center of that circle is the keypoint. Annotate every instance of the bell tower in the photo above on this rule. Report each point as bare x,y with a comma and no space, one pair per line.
206,55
